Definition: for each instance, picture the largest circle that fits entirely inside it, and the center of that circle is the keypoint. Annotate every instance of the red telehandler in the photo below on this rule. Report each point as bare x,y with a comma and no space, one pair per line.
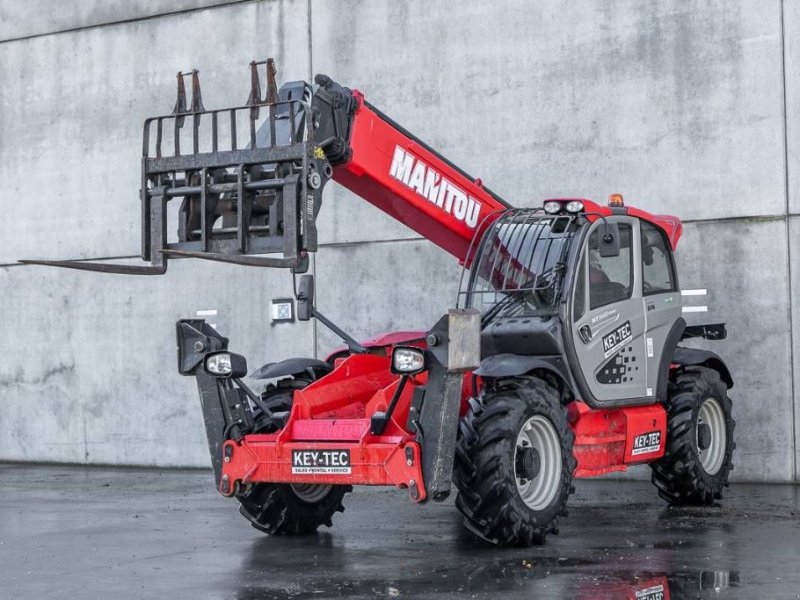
562,359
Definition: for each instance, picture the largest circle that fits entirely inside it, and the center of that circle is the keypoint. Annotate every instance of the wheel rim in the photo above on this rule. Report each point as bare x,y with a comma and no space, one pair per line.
310,492
712,417
540,434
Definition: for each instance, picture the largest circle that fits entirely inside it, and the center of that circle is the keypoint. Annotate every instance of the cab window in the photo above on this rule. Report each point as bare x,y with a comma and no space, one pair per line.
610,277
658,272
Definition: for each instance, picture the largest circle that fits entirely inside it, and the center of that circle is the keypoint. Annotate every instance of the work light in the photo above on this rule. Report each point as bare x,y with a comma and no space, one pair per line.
574,206
226,364
551,207
407,360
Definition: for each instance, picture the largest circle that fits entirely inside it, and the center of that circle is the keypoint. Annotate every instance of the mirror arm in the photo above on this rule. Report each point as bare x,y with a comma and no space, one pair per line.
307,299
351,343
607,237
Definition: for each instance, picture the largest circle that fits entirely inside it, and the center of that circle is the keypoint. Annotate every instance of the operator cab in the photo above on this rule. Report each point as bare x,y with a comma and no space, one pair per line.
590,291
518,267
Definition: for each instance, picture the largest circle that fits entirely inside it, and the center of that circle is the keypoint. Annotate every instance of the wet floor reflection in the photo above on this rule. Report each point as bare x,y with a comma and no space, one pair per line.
100,533
331,569
627,552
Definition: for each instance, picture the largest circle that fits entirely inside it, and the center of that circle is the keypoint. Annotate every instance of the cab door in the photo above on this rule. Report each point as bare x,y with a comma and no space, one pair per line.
662,303
608,316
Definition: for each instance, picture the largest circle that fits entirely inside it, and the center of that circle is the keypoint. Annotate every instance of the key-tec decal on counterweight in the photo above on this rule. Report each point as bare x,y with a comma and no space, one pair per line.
646,443
336,462
652,593
430,184
617,338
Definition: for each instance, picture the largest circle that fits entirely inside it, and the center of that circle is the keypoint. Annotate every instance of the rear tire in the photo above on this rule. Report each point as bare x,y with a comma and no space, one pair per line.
514,463
282,508
699,452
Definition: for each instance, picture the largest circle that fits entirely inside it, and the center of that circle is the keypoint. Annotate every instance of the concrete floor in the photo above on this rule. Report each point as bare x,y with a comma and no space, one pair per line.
122,533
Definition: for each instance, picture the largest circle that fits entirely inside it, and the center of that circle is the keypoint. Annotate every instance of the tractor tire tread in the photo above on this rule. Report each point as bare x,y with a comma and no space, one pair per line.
488,498
274,508
678,475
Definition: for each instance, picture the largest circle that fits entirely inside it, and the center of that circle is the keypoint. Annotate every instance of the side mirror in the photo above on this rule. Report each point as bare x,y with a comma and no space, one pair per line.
305,298
609,240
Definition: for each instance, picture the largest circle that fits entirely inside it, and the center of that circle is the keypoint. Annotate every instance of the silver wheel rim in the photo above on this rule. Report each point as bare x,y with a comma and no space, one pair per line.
310,492
539,433
713,417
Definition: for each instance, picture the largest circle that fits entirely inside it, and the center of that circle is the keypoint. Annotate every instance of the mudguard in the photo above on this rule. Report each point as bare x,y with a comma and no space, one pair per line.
510,365
293,366
696,357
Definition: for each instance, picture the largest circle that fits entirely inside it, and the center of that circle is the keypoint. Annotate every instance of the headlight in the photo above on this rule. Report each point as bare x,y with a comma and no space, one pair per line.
574,206
552,207
407,360
226,364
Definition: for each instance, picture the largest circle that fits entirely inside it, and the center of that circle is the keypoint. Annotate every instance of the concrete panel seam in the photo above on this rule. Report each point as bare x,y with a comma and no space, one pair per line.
104,465
745,219
85,437
310,43
314,324
786,190
124,21
751,219
366,242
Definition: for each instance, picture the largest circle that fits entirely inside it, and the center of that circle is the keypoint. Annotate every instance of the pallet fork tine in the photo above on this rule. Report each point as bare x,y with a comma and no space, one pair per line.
101,267
247,261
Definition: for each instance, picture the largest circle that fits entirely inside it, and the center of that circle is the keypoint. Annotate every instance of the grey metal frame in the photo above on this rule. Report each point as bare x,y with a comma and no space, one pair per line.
276,181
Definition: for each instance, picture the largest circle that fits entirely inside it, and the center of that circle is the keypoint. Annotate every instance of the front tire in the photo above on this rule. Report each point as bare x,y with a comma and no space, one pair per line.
283,508
699,452
289,509
514,463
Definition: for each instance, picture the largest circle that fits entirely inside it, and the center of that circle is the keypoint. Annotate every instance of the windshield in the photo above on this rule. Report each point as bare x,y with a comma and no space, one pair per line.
519,265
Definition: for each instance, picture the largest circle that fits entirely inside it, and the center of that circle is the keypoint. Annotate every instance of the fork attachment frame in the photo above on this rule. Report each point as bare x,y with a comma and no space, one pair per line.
240,181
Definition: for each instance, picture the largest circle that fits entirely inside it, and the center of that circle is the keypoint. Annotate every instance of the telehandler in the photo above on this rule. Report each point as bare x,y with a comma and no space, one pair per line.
562,359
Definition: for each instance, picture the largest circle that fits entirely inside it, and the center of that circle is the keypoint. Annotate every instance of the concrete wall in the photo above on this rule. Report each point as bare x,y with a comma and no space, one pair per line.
687,108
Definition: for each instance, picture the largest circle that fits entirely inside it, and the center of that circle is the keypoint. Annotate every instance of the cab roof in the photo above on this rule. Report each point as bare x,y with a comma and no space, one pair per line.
672,226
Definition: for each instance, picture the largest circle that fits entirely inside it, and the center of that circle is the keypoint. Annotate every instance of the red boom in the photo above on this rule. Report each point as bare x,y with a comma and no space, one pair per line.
411,182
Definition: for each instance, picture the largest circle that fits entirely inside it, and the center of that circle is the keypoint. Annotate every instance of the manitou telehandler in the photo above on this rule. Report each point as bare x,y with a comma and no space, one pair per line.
561,360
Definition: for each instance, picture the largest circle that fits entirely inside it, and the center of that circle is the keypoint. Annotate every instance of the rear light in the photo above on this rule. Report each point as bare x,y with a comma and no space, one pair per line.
615,200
